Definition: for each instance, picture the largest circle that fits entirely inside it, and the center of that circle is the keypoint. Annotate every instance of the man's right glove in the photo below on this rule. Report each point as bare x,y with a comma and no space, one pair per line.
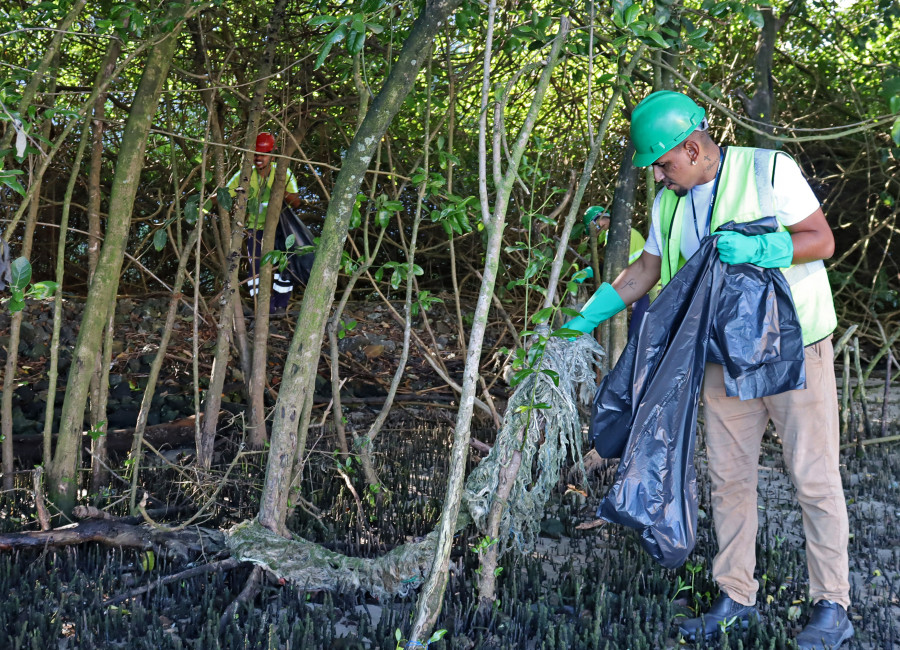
604,304
772,250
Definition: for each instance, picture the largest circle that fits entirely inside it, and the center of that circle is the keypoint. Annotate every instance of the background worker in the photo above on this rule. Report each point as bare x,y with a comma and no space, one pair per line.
262,178
598,216
706,186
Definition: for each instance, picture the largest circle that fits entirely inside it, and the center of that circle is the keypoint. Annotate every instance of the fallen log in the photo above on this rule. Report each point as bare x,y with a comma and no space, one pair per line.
185,544
179,433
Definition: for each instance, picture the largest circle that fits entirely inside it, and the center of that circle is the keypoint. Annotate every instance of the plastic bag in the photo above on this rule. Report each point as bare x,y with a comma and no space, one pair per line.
645,410
289,223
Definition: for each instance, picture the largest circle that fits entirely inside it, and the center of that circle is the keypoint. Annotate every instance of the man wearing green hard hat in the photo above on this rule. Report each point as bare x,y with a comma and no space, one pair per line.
705,186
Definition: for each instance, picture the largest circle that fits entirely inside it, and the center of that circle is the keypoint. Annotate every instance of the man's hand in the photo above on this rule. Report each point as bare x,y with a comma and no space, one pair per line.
772,250
292,199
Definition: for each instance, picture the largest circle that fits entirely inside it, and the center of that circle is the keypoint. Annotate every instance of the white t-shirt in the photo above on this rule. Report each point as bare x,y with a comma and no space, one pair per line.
794,201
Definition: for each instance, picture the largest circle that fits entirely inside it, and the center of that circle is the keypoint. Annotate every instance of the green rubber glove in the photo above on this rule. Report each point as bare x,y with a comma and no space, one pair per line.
773,250
605,303
588,274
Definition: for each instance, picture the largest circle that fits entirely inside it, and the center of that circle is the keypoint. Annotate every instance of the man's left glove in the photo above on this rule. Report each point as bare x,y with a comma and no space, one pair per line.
604,304
772,250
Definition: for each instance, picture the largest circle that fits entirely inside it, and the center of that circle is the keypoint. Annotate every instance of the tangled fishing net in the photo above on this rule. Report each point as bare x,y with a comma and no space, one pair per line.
541,423
546,436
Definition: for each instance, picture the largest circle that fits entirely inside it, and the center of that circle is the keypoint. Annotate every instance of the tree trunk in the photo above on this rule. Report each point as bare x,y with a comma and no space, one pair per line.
15,327
98,421
63,471
257,384
618,248
156,366
99,391
230,296
432,594
295,395
761,107
53,370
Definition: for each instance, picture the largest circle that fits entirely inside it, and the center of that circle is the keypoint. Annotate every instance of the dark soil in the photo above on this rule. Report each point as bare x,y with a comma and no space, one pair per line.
577,589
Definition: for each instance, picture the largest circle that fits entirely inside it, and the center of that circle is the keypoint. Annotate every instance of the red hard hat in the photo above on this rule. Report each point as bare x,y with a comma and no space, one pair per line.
265,142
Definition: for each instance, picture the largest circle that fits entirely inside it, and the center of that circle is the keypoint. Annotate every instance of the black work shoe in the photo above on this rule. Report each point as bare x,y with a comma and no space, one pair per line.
827,629
725,614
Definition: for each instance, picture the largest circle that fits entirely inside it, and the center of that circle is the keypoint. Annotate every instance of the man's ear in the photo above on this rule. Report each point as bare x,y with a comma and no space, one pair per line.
692,148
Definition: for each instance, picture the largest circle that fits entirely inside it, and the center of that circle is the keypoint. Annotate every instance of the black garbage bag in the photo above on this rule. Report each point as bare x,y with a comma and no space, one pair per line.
645,410
289,223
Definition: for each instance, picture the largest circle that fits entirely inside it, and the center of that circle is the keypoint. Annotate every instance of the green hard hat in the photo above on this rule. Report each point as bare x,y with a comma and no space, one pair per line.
592,213
662,121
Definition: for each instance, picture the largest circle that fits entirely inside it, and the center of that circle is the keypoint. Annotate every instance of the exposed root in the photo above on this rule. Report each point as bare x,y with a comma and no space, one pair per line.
248,593
221,565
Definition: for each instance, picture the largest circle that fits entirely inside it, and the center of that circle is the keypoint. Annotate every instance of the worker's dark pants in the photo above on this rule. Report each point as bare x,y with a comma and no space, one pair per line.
282,287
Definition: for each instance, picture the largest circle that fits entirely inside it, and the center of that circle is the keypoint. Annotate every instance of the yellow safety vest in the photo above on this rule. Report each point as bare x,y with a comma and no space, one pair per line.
745,194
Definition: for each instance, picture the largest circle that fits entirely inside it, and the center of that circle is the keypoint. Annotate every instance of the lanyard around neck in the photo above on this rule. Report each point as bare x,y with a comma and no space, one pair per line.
712,200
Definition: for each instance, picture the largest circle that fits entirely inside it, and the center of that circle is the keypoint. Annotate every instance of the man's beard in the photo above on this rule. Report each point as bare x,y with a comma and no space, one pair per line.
681,192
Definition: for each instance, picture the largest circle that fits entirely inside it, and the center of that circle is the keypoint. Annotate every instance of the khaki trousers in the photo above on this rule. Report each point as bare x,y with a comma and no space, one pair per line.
807,423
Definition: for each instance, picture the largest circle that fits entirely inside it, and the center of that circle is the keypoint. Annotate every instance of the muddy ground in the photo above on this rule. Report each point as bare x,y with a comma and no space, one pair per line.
576,589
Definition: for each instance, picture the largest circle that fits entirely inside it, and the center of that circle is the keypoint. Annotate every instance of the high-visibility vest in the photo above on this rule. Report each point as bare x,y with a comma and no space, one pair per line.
636,244
256,220
745,194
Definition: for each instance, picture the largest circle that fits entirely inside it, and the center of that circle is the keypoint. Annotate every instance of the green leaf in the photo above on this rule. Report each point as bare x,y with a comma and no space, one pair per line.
321,20
159,239
289,242
321,58
656,38
148,561
20,273
42,290
553,375
12,184
566,333
272,257
437,636
568,311
223,196
543,315
632,13
895,132
337,35
520,375
755,16
895,104
192,209
15,304
355,42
